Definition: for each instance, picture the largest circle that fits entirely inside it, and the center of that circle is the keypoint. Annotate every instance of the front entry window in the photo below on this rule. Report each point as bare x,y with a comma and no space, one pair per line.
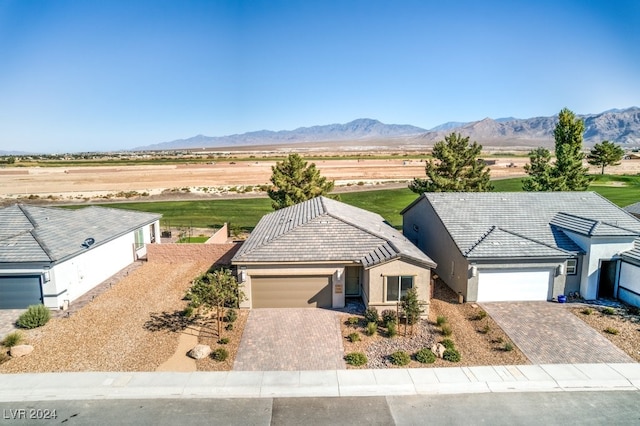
398,287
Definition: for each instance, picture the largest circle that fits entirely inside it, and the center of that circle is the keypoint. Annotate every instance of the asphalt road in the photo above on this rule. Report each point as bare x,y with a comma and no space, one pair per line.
549,408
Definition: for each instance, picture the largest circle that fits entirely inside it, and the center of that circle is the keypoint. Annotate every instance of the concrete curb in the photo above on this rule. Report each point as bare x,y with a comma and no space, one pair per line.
326,383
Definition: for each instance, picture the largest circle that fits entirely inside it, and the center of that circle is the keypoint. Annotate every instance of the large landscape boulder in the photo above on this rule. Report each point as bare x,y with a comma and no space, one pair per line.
438,349
20,350
200,351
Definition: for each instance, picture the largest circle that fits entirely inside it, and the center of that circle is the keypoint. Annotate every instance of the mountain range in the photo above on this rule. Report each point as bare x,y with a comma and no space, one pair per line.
621,126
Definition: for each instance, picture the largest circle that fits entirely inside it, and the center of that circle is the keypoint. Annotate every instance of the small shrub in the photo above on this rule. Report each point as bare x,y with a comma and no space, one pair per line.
480,315
354,337
392,329
611,330
499,340
35,316
446,330
188,312
447,343
223,341
508,347
372,328
389,315
228,327
425,356
608,311
12,339
371,315
353,321
231,316
451,355
356,359
220,354
399,358
586,311
441,320
486,329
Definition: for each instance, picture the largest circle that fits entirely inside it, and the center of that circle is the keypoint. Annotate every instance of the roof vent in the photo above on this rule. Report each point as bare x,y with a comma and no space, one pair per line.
88,242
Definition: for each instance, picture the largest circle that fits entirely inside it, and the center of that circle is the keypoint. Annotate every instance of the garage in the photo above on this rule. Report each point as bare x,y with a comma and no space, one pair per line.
18,292
513,285
291,292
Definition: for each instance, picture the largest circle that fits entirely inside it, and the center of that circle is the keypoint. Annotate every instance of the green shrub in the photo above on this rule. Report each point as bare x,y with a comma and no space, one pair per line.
441,320
372,328
611,330
480,315
508,347
12,339
35,316
354,337
223,341
228,327
399,358
586,311
446,330
451,355
371,315
608,311
389,315
499,340
425,356
353,321
392,329
231,316
220,354
356,359
486,329
188,312
447,343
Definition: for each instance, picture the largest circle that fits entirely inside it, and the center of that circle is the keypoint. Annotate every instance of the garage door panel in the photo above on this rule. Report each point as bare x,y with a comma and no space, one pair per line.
18,292
513,285
291,292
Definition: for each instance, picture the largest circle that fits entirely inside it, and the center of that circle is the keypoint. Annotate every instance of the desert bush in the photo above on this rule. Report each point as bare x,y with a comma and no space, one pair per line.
611,330
354,337
371,315
447,343
12,339
608,311
586,311
441,320
446,330
425,356
231,316
392,329
451,355
372,328
223,341
356,359
35,316
399,358
486,329
508,347
228,327
188,312
389,315
353,321
480,315
220,354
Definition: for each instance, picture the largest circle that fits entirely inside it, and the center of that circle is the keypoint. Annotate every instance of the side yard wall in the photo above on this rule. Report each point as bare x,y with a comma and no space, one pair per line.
180,253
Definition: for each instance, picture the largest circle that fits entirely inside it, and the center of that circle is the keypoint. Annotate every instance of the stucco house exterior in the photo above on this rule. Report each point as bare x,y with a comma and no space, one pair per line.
317,253
528,245
53,256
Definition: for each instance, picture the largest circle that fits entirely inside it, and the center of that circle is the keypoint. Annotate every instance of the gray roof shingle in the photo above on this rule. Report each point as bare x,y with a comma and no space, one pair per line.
634,208
322,229
49,234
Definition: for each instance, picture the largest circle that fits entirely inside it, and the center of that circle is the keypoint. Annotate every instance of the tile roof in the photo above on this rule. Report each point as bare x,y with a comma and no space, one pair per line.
634,208
632,255
501,224
50,234
322,229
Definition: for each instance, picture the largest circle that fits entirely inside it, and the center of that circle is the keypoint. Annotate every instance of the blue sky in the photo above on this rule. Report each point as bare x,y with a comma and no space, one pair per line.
90,75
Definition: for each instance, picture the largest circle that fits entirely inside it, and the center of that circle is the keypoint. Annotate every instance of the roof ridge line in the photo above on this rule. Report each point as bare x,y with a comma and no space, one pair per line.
536,241
482,238
33,233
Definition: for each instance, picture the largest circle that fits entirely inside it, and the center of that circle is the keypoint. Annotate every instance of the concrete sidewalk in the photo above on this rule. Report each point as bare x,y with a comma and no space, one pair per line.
271,384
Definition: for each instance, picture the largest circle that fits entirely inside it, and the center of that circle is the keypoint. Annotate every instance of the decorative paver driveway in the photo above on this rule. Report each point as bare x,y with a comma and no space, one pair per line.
291,339
8,318
548,333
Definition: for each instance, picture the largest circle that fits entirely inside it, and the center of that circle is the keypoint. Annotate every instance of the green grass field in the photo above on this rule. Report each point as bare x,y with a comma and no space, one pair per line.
245,213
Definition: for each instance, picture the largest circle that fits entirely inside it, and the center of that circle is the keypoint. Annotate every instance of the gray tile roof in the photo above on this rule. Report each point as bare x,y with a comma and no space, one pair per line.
634,208
632,255
49,234
502,224
323,229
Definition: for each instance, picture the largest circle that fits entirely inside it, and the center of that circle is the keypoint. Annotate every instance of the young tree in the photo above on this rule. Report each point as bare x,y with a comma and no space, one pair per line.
215,290
293,182
567,173
411,307
457,169
605,154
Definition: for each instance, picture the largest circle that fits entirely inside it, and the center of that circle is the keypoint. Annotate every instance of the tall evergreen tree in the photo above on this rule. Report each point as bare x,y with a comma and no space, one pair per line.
457,169
294,182
605,154
540,169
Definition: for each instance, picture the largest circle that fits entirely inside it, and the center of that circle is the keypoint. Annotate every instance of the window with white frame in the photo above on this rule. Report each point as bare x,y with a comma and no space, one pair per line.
397,286
572,266
139,239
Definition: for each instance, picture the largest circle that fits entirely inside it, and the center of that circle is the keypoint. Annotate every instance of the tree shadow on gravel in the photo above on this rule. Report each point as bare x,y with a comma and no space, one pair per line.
177,322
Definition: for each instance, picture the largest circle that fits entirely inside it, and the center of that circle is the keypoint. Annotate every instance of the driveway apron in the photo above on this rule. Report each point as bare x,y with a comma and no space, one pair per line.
291,339
548,333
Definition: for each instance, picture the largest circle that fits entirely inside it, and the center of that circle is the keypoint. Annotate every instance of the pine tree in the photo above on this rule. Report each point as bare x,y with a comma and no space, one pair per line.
457,169
294,182
605,154
540,169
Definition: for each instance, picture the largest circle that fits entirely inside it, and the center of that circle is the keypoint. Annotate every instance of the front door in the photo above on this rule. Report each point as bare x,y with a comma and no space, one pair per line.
352,281
607,280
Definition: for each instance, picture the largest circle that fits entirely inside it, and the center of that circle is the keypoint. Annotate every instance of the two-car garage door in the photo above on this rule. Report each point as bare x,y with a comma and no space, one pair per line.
291,292
513,285
18,292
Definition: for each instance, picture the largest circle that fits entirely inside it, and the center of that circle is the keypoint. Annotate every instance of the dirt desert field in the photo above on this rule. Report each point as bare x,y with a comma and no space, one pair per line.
94,182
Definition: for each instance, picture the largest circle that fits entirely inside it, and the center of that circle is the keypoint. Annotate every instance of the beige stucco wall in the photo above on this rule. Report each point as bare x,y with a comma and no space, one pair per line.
376,283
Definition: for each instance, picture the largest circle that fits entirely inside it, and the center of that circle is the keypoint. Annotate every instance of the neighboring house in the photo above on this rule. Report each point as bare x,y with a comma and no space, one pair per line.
53,256
316,253
634,209
528,245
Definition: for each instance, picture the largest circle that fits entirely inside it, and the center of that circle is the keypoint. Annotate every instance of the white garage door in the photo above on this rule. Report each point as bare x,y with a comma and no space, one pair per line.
510,285
291,292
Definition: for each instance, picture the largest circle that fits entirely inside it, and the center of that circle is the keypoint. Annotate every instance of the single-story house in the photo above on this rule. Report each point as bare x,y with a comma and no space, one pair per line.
316,253
528,245
53,256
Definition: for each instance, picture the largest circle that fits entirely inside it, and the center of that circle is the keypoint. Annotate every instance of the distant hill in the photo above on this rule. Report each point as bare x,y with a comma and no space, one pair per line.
621,126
